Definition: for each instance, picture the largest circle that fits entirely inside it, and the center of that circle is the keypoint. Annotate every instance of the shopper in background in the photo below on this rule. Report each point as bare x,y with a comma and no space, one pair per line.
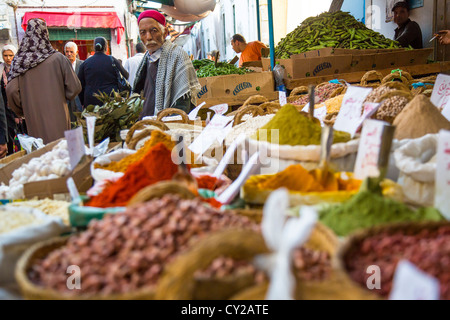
71,52
3,128
14,123
97,74
408,32
166,74
40,82
132,64
444,36
249,51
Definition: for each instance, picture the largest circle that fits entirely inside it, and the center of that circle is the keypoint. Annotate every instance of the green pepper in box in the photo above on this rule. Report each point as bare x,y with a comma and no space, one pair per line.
80,216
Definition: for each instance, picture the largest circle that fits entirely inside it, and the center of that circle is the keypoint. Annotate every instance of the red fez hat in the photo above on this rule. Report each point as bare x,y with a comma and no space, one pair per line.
154,15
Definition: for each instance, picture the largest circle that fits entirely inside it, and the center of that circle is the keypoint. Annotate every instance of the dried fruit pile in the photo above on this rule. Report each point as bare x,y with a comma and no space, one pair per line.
128,251
428,250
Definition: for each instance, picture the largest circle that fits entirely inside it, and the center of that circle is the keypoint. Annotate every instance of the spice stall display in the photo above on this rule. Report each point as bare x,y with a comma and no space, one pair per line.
426,245
123,255
368,209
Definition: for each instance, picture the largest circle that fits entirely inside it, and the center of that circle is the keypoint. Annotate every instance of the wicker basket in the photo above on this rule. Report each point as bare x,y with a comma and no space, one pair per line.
178,283
270,107
254,110
256,99
403,76
356,238
160,189
143,125
33,291
396,86
166,112
369,76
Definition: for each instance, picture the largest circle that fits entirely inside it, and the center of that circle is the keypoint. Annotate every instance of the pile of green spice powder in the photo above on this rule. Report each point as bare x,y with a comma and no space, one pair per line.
367,209
295,129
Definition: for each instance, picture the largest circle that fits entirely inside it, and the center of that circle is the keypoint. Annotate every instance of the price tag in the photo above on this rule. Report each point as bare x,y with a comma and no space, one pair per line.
441,92
214,131
228,156
369,109
306,108
369,149
320,113
250,168
442,193
351,109
193,114
75,145
411,283
282,97
74,194
446,111
220,109
225,132
90,123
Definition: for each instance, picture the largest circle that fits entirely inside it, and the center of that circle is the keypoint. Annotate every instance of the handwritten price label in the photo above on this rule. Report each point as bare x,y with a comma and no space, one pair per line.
193,114
410,283
349,117
441,91
75,145
220,109
442,193
282,98
369,149
214,131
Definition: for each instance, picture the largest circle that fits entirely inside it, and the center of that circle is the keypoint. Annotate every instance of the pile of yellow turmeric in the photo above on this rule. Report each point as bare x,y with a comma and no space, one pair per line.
298,179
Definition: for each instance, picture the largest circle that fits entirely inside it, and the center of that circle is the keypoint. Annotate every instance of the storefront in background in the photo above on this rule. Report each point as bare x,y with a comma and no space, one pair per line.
82,28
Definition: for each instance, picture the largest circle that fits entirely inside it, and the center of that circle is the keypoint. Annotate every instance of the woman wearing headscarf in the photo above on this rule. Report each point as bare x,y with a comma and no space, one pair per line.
13,122
97,74
40,82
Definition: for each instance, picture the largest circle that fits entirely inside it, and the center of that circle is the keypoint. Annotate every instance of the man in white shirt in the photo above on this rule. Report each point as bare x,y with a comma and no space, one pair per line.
132,64
71,52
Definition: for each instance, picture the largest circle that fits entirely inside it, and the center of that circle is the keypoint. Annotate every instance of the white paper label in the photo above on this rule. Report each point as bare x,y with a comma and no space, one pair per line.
225,132
306,108
369,149
74,194
369,109
351,109
193,114
228,156
446,111
90,124
319,113
442,193
75,145
250,168
220,109
212,132
411,283
282,97
441,91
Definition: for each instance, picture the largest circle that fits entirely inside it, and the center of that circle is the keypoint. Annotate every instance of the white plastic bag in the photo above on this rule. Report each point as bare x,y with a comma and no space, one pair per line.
14,243
417,166
30,144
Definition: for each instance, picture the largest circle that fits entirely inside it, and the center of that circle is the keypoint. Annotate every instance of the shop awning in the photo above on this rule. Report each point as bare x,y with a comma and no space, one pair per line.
77,20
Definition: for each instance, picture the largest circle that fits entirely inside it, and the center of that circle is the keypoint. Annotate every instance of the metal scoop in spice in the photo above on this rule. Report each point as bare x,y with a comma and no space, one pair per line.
184,175
323,174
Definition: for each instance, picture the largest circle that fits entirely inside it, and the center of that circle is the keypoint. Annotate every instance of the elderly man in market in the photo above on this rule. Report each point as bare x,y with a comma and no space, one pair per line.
71,52
166,74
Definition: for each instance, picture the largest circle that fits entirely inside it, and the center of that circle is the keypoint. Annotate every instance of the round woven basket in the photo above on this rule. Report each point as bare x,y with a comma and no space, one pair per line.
396,85
178,283
256,99
404,76
355,239
270,107
166,112
160,189
143,124
369,76
394,93
32,291
254,110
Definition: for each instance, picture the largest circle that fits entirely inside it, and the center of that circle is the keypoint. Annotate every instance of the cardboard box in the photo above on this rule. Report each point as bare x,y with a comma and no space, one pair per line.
12,157
56,187
230,86
313,67
49,188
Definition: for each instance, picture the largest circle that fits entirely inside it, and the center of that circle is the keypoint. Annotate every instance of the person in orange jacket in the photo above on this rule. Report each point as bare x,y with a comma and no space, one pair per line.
249,51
